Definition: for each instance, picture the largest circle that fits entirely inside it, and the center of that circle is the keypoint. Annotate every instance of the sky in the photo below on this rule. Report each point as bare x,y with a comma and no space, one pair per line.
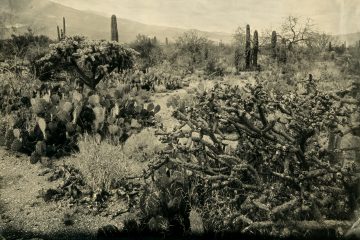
330,16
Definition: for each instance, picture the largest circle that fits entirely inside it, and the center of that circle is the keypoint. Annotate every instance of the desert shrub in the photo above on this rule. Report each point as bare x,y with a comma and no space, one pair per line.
162,76
20,46
215,67
150,53
103,164
143,146
286,166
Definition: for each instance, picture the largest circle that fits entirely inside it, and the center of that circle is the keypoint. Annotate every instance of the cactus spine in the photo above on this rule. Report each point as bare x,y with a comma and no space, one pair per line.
114,29
255,49
273,44
247,48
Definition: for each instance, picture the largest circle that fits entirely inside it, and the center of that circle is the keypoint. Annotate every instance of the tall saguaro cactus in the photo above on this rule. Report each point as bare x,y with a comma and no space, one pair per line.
61,32
255,49
114,29
247,48
64,27
273,44
58,33
282,52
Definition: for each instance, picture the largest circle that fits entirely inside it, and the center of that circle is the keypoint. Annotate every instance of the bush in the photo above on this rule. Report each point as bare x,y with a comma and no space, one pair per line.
103,164
149,50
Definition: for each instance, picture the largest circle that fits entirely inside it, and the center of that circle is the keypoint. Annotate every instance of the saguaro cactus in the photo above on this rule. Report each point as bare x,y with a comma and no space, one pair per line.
330,47
237,59
61,32
247,48
166,41
282,53
58,33
64,27
255,49
273,44
114,30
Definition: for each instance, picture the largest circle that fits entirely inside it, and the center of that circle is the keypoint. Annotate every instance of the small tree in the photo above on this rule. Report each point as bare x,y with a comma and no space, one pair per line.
192,44
295,30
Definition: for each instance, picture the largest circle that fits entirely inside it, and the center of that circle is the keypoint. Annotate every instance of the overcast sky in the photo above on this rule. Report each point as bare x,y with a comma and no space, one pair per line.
331,16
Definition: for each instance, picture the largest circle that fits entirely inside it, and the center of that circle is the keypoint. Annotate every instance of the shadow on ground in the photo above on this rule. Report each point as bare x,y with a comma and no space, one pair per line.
16,234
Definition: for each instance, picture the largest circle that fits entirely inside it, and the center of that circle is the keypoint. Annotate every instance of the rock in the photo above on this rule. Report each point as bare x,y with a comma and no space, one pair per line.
135,124
16,145
40,148
68,219
9,138
34,158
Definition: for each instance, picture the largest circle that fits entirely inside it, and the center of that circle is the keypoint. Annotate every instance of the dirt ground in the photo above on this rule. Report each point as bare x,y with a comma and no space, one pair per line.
23,213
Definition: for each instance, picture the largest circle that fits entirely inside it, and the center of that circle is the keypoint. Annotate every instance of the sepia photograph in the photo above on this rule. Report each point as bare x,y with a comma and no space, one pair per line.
179,119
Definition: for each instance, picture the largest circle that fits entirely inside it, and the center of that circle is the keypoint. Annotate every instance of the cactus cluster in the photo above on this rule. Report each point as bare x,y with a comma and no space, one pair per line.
251,53
273,175
58,114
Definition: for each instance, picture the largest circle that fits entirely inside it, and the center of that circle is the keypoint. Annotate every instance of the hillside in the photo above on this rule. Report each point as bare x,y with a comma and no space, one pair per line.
350,38
43,16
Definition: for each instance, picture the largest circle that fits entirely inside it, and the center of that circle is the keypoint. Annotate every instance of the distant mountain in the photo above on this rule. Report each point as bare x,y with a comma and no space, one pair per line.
350,38
43,16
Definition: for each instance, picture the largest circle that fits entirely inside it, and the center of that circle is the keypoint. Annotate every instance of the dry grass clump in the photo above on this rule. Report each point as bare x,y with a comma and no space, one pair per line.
102,163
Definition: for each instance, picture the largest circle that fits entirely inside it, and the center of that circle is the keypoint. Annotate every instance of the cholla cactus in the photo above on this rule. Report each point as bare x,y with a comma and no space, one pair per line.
273,44
114,30
255,49
247,48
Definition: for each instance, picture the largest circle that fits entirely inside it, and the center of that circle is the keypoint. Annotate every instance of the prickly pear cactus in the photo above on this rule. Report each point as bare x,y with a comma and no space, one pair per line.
58,114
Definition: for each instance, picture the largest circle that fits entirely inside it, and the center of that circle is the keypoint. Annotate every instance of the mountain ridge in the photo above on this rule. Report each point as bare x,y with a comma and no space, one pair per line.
43,16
